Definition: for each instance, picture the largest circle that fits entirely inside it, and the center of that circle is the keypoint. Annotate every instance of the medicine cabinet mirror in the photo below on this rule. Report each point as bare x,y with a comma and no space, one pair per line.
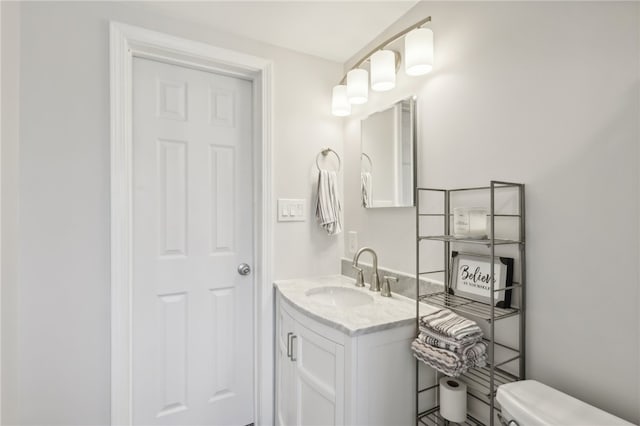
387,156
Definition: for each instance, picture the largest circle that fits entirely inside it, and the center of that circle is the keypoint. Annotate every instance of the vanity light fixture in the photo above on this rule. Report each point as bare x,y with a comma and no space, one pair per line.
340,105
358,86
418,52
383,70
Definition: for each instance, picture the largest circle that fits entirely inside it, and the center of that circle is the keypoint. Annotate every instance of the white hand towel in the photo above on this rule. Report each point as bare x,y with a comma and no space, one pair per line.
365,183
328,209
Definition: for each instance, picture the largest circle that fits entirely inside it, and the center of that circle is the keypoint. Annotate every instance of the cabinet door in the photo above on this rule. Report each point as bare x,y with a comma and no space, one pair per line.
286,401
319,379
385,383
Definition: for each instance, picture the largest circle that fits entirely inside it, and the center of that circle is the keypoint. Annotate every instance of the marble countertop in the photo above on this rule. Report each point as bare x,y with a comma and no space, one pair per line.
382,314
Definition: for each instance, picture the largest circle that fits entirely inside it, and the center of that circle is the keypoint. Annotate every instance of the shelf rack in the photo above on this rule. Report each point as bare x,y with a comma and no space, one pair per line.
432,417
482,383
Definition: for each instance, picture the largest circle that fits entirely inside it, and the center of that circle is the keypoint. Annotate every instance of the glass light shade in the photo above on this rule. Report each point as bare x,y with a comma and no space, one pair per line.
418,51
358,86
383,70
340,105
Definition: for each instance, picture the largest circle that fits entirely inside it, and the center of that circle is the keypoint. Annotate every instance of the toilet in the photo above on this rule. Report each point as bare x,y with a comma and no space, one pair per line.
531,403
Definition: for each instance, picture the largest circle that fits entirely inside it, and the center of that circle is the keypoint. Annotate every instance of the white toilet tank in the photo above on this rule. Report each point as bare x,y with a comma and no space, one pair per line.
531,403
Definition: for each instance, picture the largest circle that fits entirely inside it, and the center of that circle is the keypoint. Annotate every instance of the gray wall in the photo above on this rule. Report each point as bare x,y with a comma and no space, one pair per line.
64,310
10,230
546,94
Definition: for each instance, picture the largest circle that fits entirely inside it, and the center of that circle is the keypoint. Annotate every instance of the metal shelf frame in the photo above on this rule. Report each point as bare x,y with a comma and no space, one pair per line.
484,241
467,306
432,417
482,382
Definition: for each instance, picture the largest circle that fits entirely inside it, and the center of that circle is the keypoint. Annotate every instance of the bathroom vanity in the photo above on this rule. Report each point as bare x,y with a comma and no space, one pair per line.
343,354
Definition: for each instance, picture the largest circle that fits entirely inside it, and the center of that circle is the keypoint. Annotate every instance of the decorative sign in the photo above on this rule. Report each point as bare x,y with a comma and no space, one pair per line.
471,278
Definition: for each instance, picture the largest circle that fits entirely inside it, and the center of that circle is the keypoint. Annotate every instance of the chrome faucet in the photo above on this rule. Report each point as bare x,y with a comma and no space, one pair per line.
375,280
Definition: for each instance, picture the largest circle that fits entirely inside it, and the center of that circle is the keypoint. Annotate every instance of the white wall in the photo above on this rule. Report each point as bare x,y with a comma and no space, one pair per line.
10,123
64,193
546,94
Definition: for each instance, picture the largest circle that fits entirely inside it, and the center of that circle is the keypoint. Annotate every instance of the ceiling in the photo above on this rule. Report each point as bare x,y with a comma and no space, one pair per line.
333,30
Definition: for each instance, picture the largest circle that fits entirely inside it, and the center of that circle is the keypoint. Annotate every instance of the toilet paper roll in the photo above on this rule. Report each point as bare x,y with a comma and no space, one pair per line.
453,400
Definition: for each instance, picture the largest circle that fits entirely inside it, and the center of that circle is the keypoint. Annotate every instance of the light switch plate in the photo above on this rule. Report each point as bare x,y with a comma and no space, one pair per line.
292,210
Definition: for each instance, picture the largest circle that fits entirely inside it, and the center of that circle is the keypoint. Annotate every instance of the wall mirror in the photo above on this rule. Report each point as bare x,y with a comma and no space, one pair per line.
387,156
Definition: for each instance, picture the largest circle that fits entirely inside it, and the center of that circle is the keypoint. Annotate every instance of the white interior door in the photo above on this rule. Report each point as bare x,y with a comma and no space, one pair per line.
193,224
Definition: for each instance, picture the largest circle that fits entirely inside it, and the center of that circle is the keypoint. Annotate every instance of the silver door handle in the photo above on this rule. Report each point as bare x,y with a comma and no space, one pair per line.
244,269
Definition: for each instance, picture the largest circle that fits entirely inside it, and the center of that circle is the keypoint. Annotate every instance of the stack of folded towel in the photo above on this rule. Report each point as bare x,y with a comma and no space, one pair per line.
449,343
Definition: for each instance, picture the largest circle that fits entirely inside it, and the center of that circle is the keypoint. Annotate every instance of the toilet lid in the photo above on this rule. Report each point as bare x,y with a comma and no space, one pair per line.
532,403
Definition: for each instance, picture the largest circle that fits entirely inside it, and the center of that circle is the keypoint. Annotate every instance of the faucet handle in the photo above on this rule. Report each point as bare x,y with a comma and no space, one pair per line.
359,276
386,286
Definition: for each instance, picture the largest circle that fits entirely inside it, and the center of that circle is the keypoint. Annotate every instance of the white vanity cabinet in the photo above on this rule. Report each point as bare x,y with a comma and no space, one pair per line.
310,385
327,376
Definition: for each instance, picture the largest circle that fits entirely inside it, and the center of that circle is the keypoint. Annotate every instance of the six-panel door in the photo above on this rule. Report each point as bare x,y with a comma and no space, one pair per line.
192,333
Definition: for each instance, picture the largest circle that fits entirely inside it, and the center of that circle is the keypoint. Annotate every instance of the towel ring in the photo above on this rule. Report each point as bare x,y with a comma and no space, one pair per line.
364,155
326,152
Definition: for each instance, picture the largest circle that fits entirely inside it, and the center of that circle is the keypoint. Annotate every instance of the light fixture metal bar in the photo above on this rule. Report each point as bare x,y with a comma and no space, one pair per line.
386,43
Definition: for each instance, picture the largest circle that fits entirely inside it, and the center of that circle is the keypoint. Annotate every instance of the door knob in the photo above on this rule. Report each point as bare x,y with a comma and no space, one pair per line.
244,269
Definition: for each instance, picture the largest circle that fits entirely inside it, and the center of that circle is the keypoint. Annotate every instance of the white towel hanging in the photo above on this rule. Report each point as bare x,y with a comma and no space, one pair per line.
366,188
328,208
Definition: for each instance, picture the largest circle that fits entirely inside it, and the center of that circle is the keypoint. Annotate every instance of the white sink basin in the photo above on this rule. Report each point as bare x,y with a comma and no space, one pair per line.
340,297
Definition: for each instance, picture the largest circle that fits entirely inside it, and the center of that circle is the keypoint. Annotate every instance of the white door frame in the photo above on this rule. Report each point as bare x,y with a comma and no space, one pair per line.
1,205
127,42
